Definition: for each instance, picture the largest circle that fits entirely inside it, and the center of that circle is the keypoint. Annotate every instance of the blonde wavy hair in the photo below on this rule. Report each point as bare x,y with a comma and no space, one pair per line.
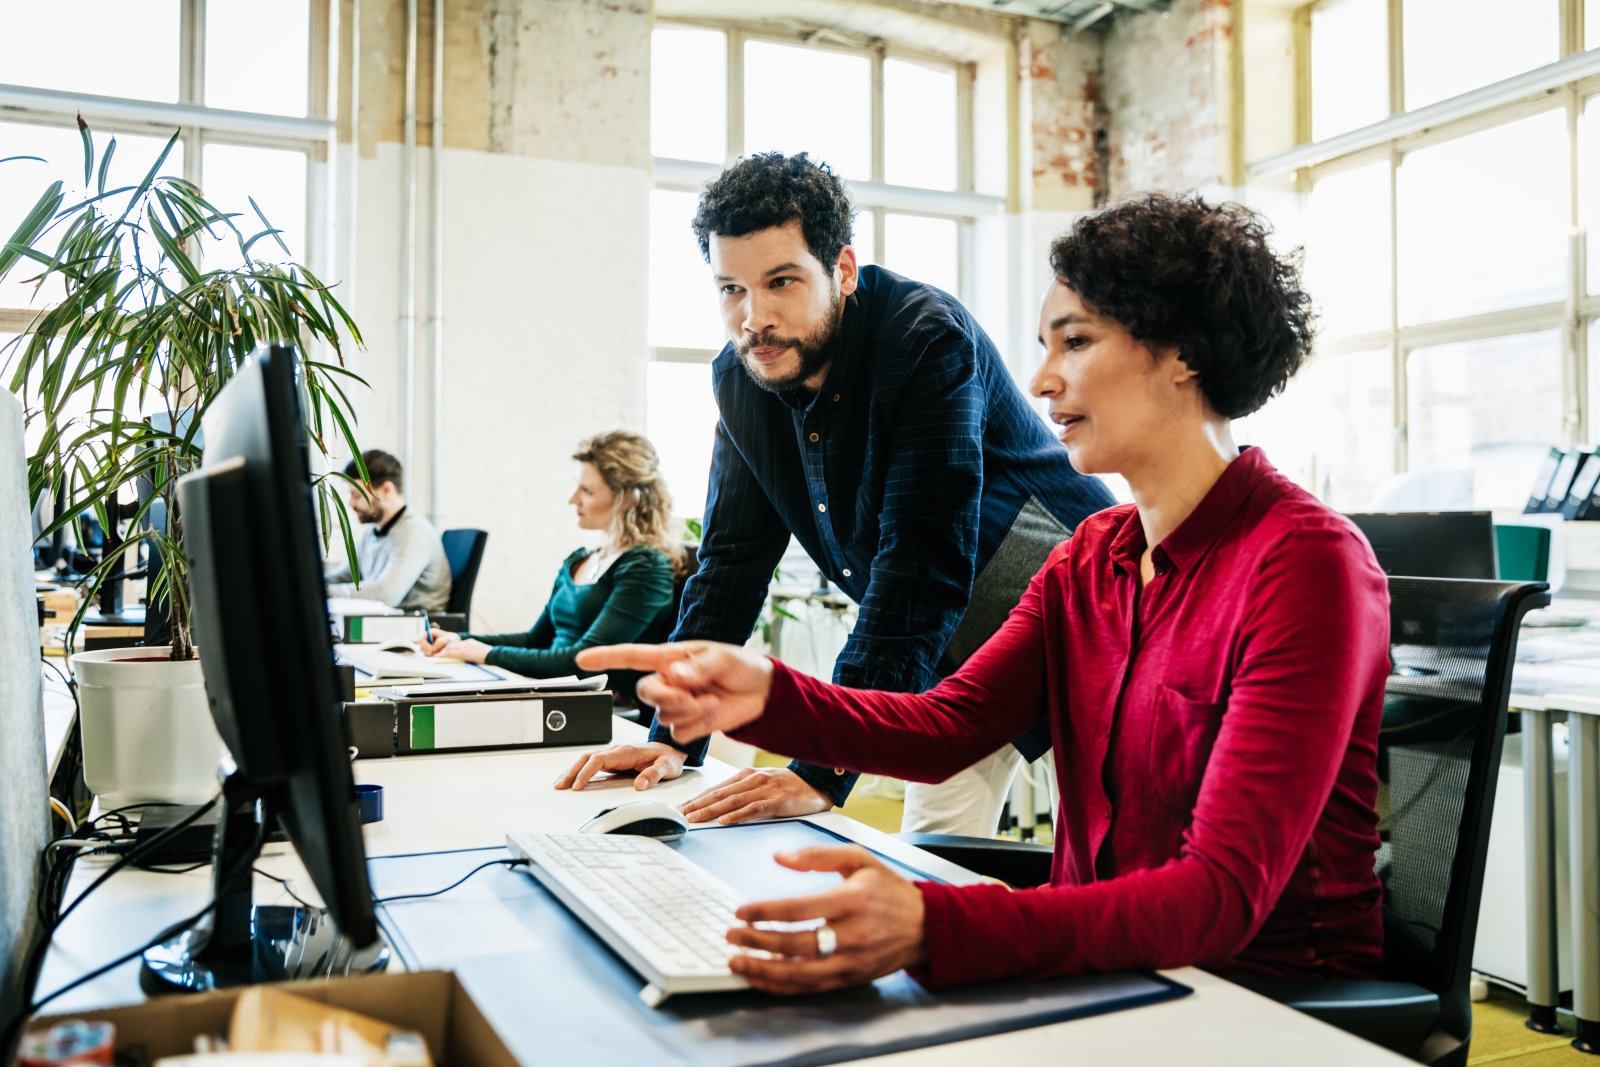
642,508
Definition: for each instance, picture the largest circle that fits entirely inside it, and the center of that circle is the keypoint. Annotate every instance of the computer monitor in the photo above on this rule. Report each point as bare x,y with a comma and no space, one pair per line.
260,625
1432,544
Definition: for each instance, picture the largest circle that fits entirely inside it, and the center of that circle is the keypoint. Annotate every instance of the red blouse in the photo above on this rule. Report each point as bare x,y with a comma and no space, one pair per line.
1215,742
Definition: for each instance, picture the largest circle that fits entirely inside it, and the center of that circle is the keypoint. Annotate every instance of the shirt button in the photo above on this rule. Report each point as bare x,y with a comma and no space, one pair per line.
815,438
839,771
822,507
835,398
846,572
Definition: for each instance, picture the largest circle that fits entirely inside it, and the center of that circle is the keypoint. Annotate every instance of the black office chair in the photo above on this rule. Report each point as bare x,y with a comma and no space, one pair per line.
623,682
464,550
1444,722
1453,643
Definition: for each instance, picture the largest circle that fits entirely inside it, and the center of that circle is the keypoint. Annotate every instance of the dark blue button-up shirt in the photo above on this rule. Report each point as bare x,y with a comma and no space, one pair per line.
901,478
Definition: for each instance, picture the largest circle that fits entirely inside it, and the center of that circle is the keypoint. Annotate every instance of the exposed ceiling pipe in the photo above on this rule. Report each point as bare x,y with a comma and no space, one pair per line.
436,271
408,246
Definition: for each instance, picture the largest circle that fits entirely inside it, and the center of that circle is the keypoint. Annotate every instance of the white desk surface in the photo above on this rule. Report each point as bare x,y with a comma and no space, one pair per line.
468,801
58,710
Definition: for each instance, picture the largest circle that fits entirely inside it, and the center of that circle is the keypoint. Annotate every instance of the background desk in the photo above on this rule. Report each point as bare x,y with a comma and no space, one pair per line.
1558,676
468,801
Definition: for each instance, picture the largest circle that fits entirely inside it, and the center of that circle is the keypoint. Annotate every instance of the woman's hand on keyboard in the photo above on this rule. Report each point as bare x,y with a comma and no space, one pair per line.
876,917
698,687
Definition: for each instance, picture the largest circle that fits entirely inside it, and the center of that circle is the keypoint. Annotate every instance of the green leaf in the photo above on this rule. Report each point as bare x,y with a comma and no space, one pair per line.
31,227
105,166
88,149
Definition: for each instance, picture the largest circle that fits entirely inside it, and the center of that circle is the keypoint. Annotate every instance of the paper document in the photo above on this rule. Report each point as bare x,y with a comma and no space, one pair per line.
351,605
381,666
504,683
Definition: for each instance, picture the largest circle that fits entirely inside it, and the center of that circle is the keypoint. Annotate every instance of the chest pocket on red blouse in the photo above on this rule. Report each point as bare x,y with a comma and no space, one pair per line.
1181,738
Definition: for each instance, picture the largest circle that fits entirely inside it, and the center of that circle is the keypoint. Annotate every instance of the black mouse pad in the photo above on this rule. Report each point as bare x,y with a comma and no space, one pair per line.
557,994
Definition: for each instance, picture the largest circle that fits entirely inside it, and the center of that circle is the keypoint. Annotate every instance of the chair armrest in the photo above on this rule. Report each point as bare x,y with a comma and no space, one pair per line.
1017,863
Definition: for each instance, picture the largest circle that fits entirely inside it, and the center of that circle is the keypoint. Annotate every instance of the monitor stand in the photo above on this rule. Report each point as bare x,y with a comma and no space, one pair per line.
239,943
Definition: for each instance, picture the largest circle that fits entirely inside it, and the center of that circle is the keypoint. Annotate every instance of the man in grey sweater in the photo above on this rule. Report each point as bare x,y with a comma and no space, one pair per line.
402,559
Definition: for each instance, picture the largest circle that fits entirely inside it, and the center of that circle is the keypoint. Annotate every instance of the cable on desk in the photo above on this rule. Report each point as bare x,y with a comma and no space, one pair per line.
452,885
287,889
13,1029
55,867
66,816
138,850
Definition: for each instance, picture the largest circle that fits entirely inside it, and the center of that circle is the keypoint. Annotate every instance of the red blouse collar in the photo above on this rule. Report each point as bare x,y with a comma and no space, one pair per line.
1184,546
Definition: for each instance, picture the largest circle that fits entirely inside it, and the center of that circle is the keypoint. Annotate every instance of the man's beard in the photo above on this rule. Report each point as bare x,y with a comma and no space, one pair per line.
814,350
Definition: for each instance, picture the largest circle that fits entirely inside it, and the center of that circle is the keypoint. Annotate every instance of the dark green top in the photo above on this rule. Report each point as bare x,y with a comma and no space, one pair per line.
624,604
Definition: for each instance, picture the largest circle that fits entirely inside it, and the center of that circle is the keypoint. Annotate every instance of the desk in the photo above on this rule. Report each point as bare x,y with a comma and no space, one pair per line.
1558,675
58,715
466,801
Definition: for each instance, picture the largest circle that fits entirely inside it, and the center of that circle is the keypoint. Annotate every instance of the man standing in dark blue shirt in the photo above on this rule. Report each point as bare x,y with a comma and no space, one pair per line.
869,416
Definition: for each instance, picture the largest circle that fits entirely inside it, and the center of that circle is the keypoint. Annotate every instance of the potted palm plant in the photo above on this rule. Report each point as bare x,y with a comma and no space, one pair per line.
115,374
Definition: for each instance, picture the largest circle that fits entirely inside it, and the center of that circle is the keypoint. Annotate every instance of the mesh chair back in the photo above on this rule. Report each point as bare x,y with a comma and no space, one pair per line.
464,550
1453,644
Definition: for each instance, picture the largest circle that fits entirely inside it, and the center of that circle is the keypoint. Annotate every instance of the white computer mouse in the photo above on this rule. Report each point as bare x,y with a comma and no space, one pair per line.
644,818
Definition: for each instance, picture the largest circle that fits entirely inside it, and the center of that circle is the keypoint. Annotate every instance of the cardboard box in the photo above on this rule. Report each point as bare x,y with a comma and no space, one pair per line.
433,1003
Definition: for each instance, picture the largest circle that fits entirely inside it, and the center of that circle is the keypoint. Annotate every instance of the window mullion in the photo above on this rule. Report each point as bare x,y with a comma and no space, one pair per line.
1402,451
1397,52
878,167
735,93
1575,376
192,52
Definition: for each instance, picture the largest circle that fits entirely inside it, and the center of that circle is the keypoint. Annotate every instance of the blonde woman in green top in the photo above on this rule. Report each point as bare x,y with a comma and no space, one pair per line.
617,593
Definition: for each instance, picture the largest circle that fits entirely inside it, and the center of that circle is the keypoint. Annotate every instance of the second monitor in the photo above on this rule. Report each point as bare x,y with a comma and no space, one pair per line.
1432,544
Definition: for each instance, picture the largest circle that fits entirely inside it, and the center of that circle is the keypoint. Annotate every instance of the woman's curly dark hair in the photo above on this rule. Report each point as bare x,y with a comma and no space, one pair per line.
771,189
1179,272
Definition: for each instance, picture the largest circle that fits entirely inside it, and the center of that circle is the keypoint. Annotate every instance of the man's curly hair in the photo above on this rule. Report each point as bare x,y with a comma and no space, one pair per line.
1179,272
771,189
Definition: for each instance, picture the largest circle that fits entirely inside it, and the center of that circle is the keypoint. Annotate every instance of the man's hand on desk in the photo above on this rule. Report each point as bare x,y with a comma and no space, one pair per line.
653,761
757,793
452,646
875,915
698,687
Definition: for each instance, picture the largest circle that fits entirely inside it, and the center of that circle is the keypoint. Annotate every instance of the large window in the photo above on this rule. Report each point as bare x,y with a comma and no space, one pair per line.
890,122
1457,326
240,93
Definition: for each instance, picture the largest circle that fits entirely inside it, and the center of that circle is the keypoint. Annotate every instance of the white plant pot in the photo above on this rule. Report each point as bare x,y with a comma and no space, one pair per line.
146,727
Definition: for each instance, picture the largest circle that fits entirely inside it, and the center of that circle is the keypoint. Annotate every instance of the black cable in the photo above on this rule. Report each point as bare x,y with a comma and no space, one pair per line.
287,889
166,935
13,1030
72,687
56,872
452,885
141,849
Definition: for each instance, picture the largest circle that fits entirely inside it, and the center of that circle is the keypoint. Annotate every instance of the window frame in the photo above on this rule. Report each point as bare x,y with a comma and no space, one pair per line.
1571,83
874,197
199,125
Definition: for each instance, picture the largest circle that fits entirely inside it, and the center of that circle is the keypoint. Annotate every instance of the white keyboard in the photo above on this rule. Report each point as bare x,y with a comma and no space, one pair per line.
666,915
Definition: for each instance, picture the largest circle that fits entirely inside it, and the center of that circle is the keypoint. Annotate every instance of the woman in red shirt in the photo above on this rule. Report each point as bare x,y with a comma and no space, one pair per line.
1211,660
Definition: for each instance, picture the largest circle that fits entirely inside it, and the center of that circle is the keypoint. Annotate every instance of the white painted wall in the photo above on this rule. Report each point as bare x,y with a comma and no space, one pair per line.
545,266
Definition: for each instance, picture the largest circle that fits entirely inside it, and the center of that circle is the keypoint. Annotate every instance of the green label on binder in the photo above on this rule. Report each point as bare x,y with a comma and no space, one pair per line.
353,625
422,727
